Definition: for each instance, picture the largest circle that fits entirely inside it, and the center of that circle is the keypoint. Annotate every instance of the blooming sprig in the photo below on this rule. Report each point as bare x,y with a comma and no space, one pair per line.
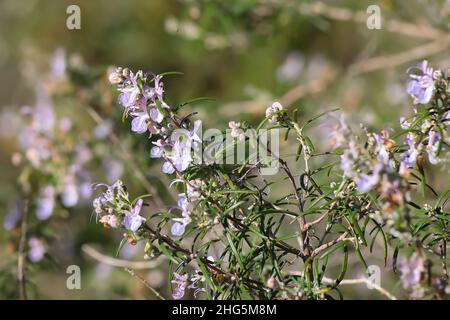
114,209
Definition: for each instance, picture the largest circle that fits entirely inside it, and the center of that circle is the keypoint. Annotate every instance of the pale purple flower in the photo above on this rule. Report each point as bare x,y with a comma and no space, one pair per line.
411,270
158,150
45,203
178,229
180,224
366,182
139,123
382,152
102,130
434,141
129,95
58,64
44,117
156,115
180,283
421,85
405,124
14,215
37,249
85,189
156,92
409,157
168,168
133,220
181,155
69,195
349,158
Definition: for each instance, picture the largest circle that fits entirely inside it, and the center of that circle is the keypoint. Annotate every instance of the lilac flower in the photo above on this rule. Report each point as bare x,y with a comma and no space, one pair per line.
411,270
14,215
179,282
85,189
158,150
157,91
69,195
133,220
180,156
366,182
349,158
156,115
178,229
193,135
58,64
130,94
102,130
339,133
37,249
422,85
45,203
383,146
180,224
434,141
404,124
139,122
168,168
409,157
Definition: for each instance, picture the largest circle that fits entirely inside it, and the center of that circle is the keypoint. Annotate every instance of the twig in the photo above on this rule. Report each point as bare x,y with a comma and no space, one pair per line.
90,251
145,283
389,61
343,14
363,281
325,246
21,267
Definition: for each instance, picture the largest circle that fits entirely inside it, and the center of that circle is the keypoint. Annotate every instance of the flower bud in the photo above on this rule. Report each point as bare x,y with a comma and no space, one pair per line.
272,283
115,78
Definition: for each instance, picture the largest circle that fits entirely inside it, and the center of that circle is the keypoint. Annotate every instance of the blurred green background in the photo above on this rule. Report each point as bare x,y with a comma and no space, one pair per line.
244,54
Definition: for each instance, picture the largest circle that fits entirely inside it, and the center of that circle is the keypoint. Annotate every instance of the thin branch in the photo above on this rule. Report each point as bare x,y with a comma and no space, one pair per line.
389,61
394,26
90,251
366,281
145,283
21,261
325,246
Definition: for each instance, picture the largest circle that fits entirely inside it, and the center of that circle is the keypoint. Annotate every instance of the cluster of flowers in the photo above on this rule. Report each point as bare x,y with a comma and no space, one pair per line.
428,130
373,165
115,209
141,95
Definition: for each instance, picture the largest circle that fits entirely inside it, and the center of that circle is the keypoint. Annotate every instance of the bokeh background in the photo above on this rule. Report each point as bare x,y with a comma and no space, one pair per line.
243,54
